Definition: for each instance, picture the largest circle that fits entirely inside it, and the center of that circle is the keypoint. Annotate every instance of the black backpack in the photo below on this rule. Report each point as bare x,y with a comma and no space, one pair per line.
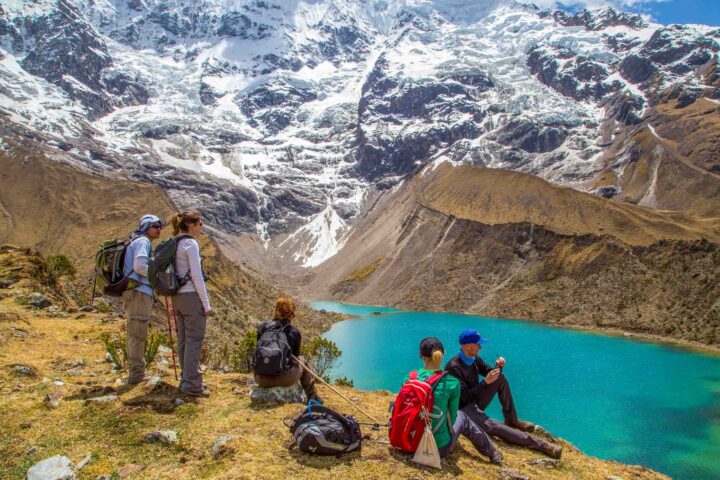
109,263
161,267
272,353
322,431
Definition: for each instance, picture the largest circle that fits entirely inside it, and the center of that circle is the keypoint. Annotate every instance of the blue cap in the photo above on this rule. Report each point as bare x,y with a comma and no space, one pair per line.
146,222
471,336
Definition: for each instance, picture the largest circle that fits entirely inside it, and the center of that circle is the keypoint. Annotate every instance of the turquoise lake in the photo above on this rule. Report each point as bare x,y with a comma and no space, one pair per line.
614,398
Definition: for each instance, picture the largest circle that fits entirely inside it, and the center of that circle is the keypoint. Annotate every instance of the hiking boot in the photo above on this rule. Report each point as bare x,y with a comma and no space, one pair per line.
496,458
521,425
136,381
551,450
205,393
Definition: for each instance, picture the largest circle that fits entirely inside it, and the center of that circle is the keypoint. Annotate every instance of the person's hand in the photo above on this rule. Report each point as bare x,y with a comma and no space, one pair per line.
210,313
500,362
492,375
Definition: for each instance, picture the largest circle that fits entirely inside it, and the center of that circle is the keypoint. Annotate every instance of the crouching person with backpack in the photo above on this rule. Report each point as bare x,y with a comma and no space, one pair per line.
190,302
431,392
277,342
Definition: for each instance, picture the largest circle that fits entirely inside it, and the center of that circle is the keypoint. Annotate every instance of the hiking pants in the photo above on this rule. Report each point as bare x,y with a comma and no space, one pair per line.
501,387
289,378
190,333
502,431
466,427
138,309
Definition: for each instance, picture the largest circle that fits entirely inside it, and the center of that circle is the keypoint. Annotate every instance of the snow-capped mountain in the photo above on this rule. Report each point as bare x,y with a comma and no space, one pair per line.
278,117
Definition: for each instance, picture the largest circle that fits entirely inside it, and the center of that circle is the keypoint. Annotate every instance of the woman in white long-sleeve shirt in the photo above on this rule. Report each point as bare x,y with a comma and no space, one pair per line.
190,302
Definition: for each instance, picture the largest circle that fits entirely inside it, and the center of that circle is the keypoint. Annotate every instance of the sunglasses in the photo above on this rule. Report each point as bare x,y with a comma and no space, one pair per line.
156,226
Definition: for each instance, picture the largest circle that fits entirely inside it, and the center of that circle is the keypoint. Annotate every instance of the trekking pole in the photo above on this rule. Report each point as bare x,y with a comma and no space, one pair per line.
317,377
92,297
172,343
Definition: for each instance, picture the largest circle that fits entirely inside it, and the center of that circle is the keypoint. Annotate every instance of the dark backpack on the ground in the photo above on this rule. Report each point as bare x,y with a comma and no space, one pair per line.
161,267
109,264
272,353
322,431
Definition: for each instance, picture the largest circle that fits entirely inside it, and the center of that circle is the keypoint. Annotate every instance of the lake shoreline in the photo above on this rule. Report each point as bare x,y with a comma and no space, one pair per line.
691,345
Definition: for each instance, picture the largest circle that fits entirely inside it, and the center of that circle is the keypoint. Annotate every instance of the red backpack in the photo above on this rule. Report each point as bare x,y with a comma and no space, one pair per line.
407,422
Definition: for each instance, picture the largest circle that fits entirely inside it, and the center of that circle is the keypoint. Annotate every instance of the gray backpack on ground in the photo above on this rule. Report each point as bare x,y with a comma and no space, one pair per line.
322,431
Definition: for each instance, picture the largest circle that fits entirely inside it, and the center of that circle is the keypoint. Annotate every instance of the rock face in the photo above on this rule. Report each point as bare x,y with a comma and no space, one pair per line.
53,468
287,139
293,394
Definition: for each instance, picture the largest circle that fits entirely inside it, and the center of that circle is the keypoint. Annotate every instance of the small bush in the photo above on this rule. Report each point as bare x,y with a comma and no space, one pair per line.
322,355
103,307
60,266
241,360
344,382
116,347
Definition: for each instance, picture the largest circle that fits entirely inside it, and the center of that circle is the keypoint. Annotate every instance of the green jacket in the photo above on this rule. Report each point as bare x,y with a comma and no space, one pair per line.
447,399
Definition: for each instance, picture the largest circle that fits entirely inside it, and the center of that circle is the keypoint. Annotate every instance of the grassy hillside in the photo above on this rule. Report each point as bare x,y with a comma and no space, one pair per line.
514,246
113,434
58,209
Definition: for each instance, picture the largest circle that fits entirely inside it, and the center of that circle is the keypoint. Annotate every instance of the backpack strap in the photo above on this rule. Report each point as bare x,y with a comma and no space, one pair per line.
413,375
188,276
435,378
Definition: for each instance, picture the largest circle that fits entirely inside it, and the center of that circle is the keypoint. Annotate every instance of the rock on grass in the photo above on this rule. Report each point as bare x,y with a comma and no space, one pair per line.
221,446
164,436
53,468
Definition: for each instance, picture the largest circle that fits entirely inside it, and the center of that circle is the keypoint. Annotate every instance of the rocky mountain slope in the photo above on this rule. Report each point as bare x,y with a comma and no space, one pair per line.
280,118
56,209
103,427
514,246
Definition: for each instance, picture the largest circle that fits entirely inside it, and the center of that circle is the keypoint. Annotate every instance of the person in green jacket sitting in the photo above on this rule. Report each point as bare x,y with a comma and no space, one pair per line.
447,400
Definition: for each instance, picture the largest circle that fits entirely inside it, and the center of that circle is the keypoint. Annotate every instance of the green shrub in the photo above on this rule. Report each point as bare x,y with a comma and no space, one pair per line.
322,355
102,306
60,266
241,360
344,382
116,347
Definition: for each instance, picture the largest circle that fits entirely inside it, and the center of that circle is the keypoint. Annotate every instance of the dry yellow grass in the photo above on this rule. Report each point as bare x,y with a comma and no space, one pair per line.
115,433
363,272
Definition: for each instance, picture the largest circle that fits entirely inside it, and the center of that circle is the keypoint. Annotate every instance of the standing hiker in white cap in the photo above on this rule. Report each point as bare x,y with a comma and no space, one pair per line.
138,299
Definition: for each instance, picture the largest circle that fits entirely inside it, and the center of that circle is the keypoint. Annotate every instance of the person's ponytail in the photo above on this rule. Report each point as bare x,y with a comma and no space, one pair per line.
181,221
175,221
437,356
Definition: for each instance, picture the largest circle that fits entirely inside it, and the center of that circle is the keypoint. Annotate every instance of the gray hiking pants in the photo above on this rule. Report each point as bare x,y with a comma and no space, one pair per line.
466,427
190,334
138,309
290,377
502,431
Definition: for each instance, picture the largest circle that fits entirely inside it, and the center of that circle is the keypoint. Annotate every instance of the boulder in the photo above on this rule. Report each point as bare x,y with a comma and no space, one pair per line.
511,475
221,447
154,381
83,463
53,468
292,394
103,399
24,370
163,436
37,300
87,309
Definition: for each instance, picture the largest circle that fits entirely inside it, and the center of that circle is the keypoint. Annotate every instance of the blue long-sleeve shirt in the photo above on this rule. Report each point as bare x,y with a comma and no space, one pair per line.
137,257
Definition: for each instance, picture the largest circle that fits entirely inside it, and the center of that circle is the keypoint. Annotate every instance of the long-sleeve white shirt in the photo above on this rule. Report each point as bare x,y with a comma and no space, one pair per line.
187,258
